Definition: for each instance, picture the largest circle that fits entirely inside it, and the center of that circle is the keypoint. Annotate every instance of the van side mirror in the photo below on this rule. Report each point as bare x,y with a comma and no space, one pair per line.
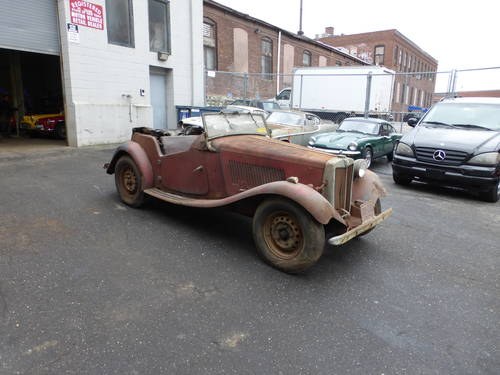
412,121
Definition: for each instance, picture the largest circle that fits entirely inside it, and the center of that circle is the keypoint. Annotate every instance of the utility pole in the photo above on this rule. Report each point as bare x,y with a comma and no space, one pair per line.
300,32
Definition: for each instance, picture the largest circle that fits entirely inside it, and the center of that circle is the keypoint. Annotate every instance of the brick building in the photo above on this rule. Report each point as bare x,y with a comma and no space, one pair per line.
416,69
263,54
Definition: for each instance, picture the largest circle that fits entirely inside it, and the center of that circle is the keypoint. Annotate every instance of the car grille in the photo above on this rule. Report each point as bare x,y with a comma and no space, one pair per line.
338,175
452,157
253,175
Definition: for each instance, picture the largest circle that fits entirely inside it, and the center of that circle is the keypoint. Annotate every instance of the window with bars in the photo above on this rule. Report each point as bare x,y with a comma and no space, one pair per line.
159,26
379,55
209,44
266,62
306,58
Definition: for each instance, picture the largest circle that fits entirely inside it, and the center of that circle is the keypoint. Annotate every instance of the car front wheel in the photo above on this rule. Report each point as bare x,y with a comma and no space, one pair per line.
368,156
287,236
493,194
128,181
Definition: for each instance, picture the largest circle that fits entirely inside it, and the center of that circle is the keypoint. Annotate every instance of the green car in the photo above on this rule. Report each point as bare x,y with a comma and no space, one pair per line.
358,137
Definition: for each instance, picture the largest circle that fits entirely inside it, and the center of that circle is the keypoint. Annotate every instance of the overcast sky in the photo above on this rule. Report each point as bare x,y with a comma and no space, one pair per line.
459,34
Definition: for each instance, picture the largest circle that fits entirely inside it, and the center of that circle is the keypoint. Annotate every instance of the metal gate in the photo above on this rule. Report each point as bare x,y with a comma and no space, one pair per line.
27,25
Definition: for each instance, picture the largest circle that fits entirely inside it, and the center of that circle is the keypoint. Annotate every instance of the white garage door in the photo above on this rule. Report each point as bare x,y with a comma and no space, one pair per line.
29,25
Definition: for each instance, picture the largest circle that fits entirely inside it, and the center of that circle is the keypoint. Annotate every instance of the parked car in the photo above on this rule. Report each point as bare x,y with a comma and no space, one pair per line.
45,124
357,137
267,105
296,196
415,115
456,143
297,126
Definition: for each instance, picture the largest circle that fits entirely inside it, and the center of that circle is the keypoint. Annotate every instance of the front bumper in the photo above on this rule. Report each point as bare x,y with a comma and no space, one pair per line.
467,176
351,154
360,229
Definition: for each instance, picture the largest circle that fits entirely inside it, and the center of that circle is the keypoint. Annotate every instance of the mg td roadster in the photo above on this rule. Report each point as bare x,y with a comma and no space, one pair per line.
298,198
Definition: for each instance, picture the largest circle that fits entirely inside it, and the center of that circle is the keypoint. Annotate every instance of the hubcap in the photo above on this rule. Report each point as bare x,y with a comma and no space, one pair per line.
283,235
129,180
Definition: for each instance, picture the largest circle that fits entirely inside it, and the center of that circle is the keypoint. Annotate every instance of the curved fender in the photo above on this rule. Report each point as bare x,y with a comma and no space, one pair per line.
312,201
137,153
368,188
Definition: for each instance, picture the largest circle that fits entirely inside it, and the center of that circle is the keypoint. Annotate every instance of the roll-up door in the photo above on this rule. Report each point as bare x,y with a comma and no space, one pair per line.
29,25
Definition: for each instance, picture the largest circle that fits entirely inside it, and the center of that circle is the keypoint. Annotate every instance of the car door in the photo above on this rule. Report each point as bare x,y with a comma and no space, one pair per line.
386,143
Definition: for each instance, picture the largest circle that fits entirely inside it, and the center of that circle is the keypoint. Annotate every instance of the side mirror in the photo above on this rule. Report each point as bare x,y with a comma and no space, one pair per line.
412,121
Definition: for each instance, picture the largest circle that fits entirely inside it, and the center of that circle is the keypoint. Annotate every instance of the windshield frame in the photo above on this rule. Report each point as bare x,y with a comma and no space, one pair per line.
226,124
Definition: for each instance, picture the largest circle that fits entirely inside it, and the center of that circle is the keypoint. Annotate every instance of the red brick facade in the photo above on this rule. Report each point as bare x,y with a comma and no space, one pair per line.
401,55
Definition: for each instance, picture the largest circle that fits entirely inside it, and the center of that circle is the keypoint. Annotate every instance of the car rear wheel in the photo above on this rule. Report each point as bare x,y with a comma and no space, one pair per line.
401,179
368,156
287,236
61,131
128,182
493,194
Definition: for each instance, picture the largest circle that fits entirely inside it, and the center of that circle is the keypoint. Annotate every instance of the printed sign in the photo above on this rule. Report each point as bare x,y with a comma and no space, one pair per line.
73,35
86,14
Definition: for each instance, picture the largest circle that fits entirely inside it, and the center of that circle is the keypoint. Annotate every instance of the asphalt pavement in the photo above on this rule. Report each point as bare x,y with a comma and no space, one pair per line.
91,286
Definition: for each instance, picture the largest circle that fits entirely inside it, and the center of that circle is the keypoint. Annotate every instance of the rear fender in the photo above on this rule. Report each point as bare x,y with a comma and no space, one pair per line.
137,153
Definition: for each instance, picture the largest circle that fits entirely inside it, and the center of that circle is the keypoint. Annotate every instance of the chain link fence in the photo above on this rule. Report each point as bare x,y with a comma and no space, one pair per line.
412,92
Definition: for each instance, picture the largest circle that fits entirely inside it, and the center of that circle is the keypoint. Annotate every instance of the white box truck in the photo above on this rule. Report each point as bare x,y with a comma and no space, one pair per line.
338,92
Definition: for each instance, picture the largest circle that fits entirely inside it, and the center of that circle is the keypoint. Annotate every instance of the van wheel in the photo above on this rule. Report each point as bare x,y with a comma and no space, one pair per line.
287,236
128,182
492,194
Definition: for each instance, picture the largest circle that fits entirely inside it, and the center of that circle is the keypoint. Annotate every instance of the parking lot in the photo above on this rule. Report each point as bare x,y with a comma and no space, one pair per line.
91,286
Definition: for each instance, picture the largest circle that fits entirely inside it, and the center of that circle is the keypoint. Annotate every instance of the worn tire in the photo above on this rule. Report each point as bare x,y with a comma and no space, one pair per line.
61,131
401,179
287,236
390,155
491,195
128,181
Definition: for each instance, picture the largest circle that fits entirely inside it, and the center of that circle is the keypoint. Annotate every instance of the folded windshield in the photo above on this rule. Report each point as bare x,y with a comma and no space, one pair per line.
226,124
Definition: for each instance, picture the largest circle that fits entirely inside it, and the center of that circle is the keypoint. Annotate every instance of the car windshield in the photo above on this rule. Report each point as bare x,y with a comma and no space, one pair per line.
226,124
286,118
465,115
359,126
269,106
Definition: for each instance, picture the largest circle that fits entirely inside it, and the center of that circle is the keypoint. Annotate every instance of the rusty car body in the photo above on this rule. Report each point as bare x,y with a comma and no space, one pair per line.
298,197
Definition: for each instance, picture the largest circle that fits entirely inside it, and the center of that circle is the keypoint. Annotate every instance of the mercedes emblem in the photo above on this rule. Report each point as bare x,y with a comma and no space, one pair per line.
439,155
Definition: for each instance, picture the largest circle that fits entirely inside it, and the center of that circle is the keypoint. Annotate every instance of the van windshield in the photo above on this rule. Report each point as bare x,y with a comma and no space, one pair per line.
464,115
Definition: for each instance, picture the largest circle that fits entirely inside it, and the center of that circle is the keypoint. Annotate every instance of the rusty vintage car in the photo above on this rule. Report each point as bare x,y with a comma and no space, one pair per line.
298,197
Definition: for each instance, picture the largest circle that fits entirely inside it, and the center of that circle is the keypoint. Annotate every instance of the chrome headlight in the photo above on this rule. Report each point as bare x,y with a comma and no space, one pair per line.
312,140
488,158
360,167
403,149
353,146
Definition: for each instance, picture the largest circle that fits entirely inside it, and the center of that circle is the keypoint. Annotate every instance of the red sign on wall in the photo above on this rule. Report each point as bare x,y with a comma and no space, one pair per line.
86,14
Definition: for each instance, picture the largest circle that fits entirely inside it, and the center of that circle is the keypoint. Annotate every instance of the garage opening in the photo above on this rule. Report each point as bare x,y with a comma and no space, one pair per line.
31,100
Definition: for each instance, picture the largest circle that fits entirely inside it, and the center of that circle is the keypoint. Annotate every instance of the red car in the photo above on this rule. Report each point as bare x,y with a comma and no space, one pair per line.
51,124
298,197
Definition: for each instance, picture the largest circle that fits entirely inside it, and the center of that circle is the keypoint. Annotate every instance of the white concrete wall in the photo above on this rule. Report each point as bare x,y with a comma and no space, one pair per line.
102,81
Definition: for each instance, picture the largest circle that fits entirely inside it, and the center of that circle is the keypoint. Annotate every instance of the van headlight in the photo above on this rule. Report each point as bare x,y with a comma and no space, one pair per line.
404,150
488,158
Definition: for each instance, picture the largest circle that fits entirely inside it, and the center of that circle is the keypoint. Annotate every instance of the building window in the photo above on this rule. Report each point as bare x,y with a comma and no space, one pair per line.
159,26
306,58
396,53
379,55
120,22
266,59
338,63
209,44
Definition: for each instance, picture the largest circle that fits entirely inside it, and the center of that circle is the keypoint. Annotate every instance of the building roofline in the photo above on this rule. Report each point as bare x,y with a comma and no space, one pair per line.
285,32
395,32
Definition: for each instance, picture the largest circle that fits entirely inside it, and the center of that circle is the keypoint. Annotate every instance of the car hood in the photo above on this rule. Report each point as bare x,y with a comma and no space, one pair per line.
293,160
338,139
468,140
